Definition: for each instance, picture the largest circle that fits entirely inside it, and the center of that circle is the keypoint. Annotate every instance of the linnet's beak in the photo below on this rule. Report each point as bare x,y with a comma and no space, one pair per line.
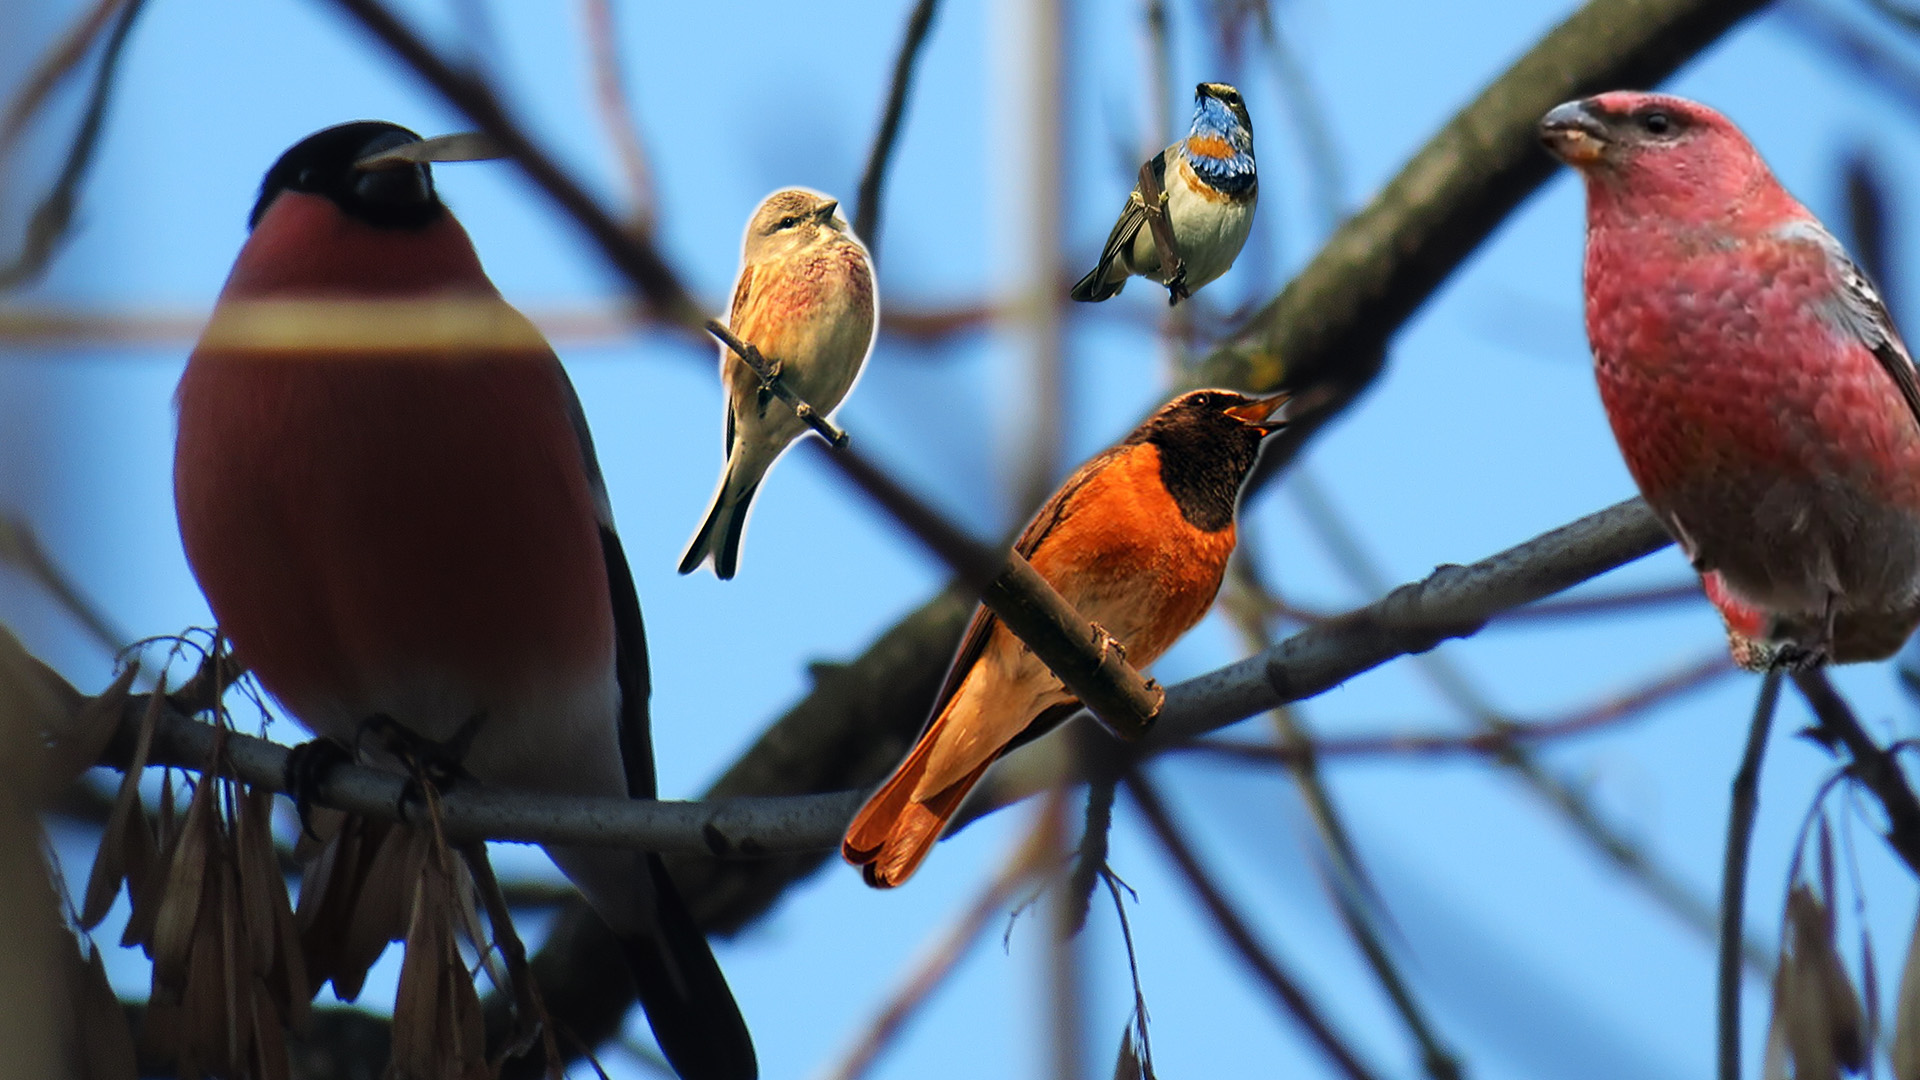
1573,134
461,146
827,210
1259,413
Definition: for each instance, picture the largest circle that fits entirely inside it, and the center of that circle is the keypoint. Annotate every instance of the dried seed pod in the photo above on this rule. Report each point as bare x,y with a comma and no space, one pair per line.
1824,1023
126,843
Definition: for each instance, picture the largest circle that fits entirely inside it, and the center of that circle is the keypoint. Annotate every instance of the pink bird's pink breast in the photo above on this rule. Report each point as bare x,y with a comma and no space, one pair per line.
1717,367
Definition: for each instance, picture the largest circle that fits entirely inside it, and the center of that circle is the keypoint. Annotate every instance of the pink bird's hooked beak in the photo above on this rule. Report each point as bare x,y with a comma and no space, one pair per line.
1574,134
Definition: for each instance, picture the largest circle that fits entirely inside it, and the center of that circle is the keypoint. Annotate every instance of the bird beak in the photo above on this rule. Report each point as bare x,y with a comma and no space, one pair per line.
1259,413
827,210
1573,134
461,146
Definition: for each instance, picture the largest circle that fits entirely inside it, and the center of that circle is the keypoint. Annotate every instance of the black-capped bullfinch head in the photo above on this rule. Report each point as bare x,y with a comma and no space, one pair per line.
373,171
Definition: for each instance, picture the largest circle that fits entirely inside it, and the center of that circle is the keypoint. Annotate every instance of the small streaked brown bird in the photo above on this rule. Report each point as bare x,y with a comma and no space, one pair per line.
806,299
1137,540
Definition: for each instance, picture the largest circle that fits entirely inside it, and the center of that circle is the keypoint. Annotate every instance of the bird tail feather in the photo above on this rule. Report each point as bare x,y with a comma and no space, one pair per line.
893,833
720,533
1095,287
694,1017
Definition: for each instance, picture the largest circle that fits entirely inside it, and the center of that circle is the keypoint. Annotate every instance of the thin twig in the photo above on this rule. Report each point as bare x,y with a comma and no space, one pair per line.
1082,655
54,215
616,114
940,960
1906,17
1733,881
630,251
1317,144
1344,545
1867,54
21,549
1877,770
1608,603
55,64
1292,997
771,382
1710,668
866,216
1354,896
1173,268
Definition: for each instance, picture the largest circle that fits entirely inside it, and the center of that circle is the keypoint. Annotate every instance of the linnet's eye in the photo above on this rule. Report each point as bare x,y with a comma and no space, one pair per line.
787,223
1657,123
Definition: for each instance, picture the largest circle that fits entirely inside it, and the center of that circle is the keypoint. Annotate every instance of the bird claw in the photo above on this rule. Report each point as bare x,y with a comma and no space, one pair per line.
306,769
1177,283
428,762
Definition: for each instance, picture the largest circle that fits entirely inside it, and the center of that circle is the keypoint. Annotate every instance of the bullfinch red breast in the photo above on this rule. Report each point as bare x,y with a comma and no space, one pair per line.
1137,541
394,509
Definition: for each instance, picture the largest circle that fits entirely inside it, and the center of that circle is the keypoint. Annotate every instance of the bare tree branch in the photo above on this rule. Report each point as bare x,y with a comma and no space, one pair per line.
1358,904
1382,264
1877,770
21,549
1733,880
616,115
943,956
631,251
866,216
54,216
53,67
1709,668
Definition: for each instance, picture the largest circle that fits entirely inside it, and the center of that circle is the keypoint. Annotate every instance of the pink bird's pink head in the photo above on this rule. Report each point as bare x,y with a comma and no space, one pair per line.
1659,155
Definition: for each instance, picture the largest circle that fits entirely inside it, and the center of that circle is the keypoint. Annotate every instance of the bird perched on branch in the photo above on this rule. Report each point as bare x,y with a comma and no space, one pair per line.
1207,186
1137,540
805,298
1758,390
387,491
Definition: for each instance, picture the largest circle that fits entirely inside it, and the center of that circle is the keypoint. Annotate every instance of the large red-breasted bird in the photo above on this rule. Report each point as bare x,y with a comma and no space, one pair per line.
1763,400
417,529
1137,541
805,298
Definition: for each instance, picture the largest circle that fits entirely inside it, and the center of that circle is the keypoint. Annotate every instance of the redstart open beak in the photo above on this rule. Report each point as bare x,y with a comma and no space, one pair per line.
1260,412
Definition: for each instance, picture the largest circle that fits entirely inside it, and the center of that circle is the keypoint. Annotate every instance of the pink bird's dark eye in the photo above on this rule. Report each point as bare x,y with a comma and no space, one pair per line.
1657,123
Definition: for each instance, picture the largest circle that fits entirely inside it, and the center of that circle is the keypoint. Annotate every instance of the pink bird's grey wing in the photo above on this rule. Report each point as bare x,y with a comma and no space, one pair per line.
1857,309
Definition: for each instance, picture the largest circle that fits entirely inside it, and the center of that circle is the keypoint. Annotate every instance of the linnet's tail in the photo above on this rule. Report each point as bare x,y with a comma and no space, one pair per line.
720,534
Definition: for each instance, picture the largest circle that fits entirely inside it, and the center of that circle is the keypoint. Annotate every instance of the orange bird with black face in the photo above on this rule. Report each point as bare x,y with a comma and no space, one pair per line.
1137,541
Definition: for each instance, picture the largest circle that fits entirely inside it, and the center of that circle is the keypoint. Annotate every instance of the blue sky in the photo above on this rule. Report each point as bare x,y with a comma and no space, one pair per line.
1534,956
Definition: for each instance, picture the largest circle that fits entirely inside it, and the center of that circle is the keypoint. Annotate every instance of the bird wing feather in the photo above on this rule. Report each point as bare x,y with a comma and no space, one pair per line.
1132,218
980,629
1858,309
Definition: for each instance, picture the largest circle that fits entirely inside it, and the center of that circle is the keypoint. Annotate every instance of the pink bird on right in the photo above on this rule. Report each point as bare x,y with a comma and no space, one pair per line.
1762,398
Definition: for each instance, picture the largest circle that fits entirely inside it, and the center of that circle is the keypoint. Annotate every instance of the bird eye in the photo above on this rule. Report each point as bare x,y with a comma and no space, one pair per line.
1657,123
787,223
